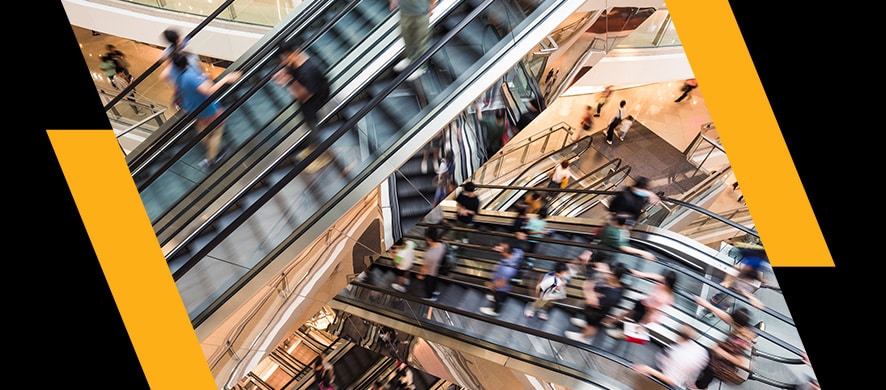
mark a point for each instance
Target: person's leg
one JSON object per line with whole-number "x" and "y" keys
{"x": 705, "y": 378}
{"x": 500, "y": 297}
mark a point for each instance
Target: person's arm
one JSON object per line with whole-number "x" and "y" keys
{"x": 647, "y": 275}
{"x": 716, "y": 310}
{"x": 209, "y": 87}
{"x": 638, "y": 252}
{"x": 646, "y": 370}
{"x": 738, "y": 360}
{"x": 393, "y": 4}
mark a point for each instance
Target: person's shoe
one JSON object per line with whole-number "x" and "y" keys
{"x": 488, "y": 311}
{"x": 596, "y": 115}
{"x": 424, "y": 166}
{"x": 398, "y": 287}
{"x": 528, "y": 312}
{"x": 436, "y": 293}
{"x": 432, "y": 298}
{"x": 205, "y": 164}
{"x": 609, "y": 141}
{"x": 577, "y": 336}
{"x": 578, "y": 322}
{"x": 542, "y": 315}
{"x": 616, "y": 333}
{"x": 415, "y": 75}
{"x": 490, "y": 297}
{"x": 402, "y": 65}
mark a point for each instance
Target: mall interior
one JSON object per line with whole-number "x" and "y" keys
{"x": 282, "y": 245}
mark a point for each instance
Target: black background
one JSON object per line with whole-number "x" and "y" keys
{"x": 814, "y": 84}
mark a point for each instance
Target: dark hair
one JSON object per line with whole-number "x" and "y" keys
{"x": 670, "y": 279}
{"x": 432, "y": 234}
{"x": 619, "y": 270}
{"x": 622, "y": 104}
{"x": 619, "y": 219}
{"x": 499, "y": 114}
{"x": 506, "y": 247}
{"x": 171, "y": 36}
{"x": 469, "y": 186}
{"x": 543, "y": 212}
{"x": 741, "y": 317}
{"x": 564, "y": 164}
{"x": 287, "y": 47}
{"x": 560, "y": 267}
{"x": 180, "y": 60}
{"x": 642, "y": 182}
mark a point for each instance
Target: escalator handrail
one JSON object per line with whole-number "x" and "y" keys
{"x": 177, "y": 129}
{"x": 267, "y": 53}
{"x": 318, "y": 150}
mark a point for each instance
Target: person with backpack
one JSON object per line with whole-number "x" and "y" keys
{"x": 631, "y": 201}
{"x": 550, "y": 288}
{"x": 404, "y": 255}
{"x": 600, "y": 298}
{"x": 501, "y": 278}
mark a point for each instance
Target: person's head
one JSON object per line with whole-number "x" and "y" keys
{"x": 564, "y": 164}
{"x": 560, "y": 268}
{"x": 630, "y": 117}
{"x": 588, "y": 108}
{"x": 685, "y": 332}
{"x": 543, "y": 213}
{"x": 410, "y": 244}
{"x": 622, "y": 103}
{"x": 110, "y": 47}
{"x": 499, "y": 115}
{"x": 432, "y": 234}
{"x": 618, "y": 220}
{"x": 504, "y": 248}
{"x": 469, "y": 187}
{"x": 521, "y": 235}
{"x": 670, "y": 279}
{"x": 449, "y": 156}
{"x": 180, "y": 60}
{"x": 534, "y": 196}
{"x": 172, "y": 37}
{"x": 741, "y": 317}
{"x": 642, "y": 182}
{"x": 618, "y": 271}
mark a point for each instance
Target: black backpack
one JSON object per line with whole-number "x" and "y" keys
{"x": 626, "y": 201}
{"x": 448, "y": 262}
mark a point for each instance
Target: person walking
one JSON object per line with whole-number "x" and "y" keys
{"x": 680, "y": 363}
{"x": 632, "y": 200}
{"x": 195, "y": 87}
{"x": 616, "y": 235}
{"x": 431, "y": 261}
{"x": 603, "y": 99}
{"x": 560, "y": 176}
{"x": 305, "y": 80}
{"x": 686, "y": 89}
{"x": 550, "y": 288}
{"x": 626, "y": 124}
{"x": 415, "y": 29}
{"x": 122, "y": 82}
{"x": 500, "y": 284}
{"x": 467, "y": 206}
{"x": 404, "y": 256}
{"x": 649, "y": 309}
{"x": 615, "y": 121}
{"x": 600, "y": 298}
{"x": 732, "y": 354}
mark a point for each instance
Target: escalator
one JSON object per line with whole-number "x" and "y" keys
{"x": 455, "y": 319}
{"x": 220, "y": 227}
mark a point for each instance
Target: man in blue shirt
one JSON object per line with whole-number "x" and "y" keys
{"x": 501, "y": 277}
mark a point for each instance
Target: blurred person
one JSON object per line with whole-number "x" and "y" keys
{"x": 600, "y": 298}
{"x": 519, "y": 222}
{"x": 616, "y": 235}
{"x": 602, "y": 99}
{"x": 550, "y": 288}
{"x": 431, "y": 260}
{"x": 195, "y": 87}
{"x": 626, "y": 124}
{"x": 536, "y": 228}
{"x": 560, "y": 176}
{"x": 302, "y": 75}
{"x": 415, "y": 29}
{"x": 534, "y": 202}
{"x": 404, "y": 256}
{"x": 403, "y": 380}
{"x": 585, "y": 123}
{"x": 632, "y": 200}
{"x": 324, "y": 373}
{"x": 527, "y": 117}
{"x": 679, "y": 363}
{"x": 109, "y": 68}
{"x": 443, "y": 181}
{"x": 467, "y": 206}
{"x": 615, "y": 121}
{"x": 119, "y": 59}
{"x": 648, "y": 309}
{"x": 686, "y": 88}
{"x": 749, "y": 277}
{"x": 494, "y": 126}
{"x": 175, "y": 42}
{"x": 500, "y": 284}
{"x": 123, "y": 80}
{"x": 378, "y": 385}
{"x": 731, "y": 353}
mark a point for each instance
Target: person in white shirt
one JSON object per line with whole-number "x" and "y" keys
{"x": 680, "y": 363}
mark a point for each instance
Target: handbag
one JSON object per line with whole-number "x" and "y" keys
{"x": 723, "y": 369}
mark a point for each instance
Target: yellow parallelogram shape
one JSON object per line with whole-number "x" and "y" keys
{"x": 131, "y": 259}
{"x": 749, "y": 132}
